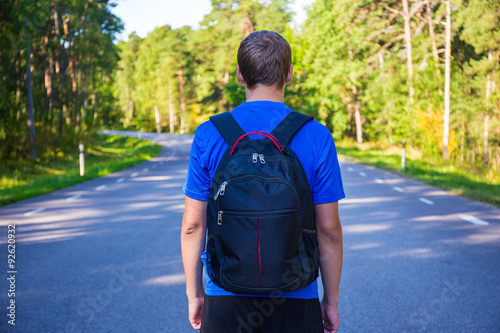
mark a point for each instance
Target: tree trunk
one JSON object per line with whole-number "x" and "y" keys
{"x": 486, "y": 123}
{"x": 67, "y": 114}
{"x": 78, "y": 111}
{"x": 83, "y": 77}
{"x": 359, "y": 129}
{"x": 48, "y": 73}
{"x": 247, "y": 26}
{"x": 390, "y": 129}
{"x": 497, "y": 111}
{"x": 446, "y": 122}
{"x": 93, "y": 99}
{"x": 86, "y": 83}
{"x": 131, "y": 108}
{"x": 72, "y": 72}
{"x": 182, "y": 97}
{"x": 59, "y": 72}
{"x": 171, "y": 110}
{"x": 158, "y": 119}
{"x": 45, "y": 60}
{"x": 357, "y": 116}
{"x": 462, "y": 143}
{"x": 18, "y": 87}
{"x": 486, "y": 127}
{"x": 64, "y": 67}
{"x": 409, "y": 60}
{"x": 59, "y": 118}
{"x": 381, "y": 59}
{"x": 29, "y": 94}
{"x": 435, "y": 54}
{"x": 50, "y": 94}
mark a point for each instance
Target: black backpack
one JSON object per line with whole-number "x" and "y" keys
{"x": 260, "y": 215}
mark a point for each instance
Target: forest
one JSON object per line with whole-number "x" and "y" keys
{"x": 371, "y": 71}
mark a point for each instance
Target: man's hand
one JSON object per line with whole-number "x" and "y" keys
{"x": 330, "y": 314}
{"x": 329, "y": 230}
{"x": 194, "y": 228}
{"x": 195, "y": 310}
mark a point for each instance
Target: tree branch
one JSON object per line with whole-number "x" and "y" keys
{"x": 392, "y": 10}
{"x": 416, "y": 7}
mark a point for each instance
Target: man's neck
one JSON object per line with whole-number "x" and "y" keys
{"x": 265, "y": 93}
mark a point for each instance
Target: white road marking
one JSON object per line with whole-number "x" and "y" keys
{"x": 98, "y": 188}
{"x": 154, "y": 166}
{"x": 33, "y": 212}
{"x": 145, "y": 170}
{"x": 473, "y": 220}
{"x": 399, "y": 189}
{"x": 380, "y": 181}
{"x": 427, "y": 201}
{"x": 362, "y": 174}
{"x": 350, "y": 169}
{"x": 74, "y": 197}
{"x": 120, "y": 180}
{"x": 134, "y": 174}
{"x": 174, "y": 151}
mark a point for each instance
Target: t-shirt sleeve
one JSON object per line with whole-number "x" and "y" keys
{"x": 328, "y": 185}
{"x": 197, "y": 185}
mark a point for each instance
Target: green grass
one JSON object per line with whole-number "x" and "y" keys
{"x": 105, "y": 154}
{"x": 469, "y": 183}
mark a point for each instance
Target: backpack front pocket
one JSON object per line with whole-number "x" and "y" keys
{"x": 257, "y": 253}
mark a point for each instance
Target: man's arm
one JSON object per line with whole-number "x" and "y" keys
{"x": 329, "y": 232}
{"x": 194, "y": 227}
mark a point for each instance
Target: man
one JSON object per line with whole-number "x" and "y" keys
{"x": 264, "y": 68}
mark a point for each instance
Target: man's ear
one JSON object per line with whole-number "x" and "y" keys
{"x": 290, "y": 75}
{"x": 239, "y": 77}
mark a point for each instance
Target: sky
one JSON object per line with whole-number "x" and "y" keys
{"x": 143, "y": 16}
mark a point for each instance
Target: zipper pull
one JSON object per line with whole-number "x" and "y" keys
{"x": 221, "y": 191}
{"x": 254, "y": 157}
{"x": 262, "y": 160}
{"x": 219, "y": 217}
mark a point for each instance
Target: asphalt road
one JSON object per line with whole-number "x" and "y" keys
{"x": 104, "y": 255}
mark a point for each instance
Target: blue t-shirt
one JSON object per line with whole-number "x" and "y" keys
{"x": 313, "y": 145}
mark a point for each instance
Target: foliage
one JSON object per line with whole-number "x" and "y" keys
{"x": 369, "y": 70}
{"x": 69, "y": 45}
{"x": 481, "y": 184}
{"x": 151, "y": 67}
{"x": 104, "y": 155}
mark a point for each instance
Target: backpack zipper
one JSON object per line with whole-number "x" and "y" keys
{"x": 258, "y": 213}
{"x": 222, "y": 188}
{"x": 279, "y": 158}
{"x": 221, "y": 191}
{"x": 219, "y": 217}
{"x": 259, "y": 156}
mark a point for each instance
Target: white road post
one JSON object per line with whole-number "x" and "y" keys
{"x": 82, "y": 161}
{"x": 403, "y": 154}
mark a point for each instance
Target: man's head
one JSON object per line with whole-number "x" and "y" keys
{"x": 265, "y": 57}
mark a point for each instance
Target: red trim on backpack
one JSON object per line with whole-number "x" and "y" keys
{"x": 258, "y": 247}
{"x": 267, "y": 135}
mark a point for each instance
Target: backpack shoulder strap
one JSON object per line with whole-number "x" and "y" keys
{"x": 227, "y": 127}
{"x": 289, "y": 126}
